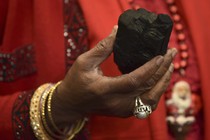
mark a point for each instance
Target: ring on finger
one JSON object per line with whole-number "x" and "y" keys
{"x": 141, "y": 110}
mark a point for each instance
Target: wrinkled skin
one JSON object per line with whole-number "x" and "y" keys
{"x": 85, "y": 90}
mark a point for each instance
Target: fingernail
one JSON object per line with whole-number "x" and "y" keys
{"x": 159, "y": 60}
{"x": 174, "y": 52}
{"x": 171, "y": 68}
{"x": 114, "y": 29}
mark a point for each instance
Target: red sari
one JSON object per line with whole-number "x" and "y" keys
{"x": 37, "y": 23}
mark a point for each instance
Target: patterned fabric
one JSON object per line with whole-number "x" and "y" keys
{"x": 17, "y": 64}
{"x": 75, "y": 32}
{"x": 20, "y": 117}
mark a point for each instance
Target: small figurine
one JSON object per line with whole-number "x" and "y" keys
{"x": 180, "y": 114}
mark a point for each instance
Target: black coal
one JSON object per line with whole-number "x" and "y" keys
{"x": 141, "y": 36}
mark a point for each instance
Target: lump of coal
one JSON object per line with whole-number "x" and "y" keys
{"x": 141, "y": 36}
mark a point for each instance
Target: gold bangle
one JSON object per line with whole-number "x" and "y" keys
{"x": 43, "y": 114}
{"x": 80, "y": 124}
{"x": 35, "y": 116}
{"x": 43, "y": 109}
{"x": 49, "y": 110}
{"x": 74, "y": 129}
{"x": 42, "y": 96}
{"x": 71, "y": 131}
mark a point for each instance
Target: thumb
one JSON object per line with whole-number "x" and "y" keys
{"x": 101, "y": 51}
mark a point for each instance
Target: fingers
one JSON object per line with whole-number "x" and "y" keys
{"x": 122, "y": 105}
{"x": 126, "y": 105}
{"x": 153, "y": 96}
{"x": 101, "y": 51}
{"x": 168, "y": 58}
{"x": 144, "y": 77}
{"x": 133, "y": 80}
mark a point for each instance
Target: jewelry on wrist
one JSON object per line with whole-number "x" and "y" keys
{"x": 57, "y": 133}
{"x": 35, "y": 116}
{"x": 44, "y": 114}
{"x": 41, "y": 112}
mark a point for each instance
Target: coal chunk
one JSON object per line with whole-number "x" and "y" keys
{"x": 141, "y": 36}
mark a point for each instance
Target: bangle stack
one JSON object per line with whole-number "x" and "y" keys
{"x": 41, "y": 118}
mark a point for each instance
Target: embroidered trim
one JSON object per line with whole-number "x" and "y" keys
{"x": 20, "y": 117}
{"x": 21, "y": 120}
{"x": 75, "y": 32}
{"x": 17, "y": 64}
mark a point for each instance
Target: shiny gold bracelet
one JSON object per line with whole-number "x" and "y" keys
{"x": 35, "y": 116}
{"x": 49, "y": 110}
{"x": 45, "y": 114}
{"x": 44, "y": 118}
{"x": 74, "y": 129}
{"x": 41, "y": 98}
{"x": 79, "y": 125}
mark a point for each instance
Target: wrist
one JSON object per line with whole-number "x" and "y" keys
{"x": 62, "y": 112}
{"x": 43, "y": 116}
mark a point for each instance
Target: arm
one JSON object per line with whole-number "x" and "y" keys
{"x": 14, "y": 118}
{"x": 85, "y": 90}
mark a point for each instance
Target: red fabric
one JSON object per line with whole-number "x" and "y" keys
{"x": 6, "y": 106}
{"x": 196, "y": 14}
{"x": 44, "y": 28}
{"x": 3, "y": 15}
{"x": 42, "y": 22}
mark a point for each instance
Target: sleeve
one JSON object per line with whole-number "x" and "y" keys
{"x": 14, "y": 121}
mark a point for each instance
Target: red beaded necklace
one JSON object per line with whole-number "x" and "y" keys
{"x": 183, "y": 48}
{"x": 180, "y": 35}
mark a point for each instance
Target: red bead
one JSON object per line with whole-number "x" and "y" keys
{"x": 176, "y": 65}
{"x": 183, "y": 47}
{"x": 176, "y": 17}
{"x": 183, "y": 63}
{"x": 173, "y": 9}
{"x": 184, "y": 55}
{"x": 181, "y": 36}
{"x": 169, "y": 1}
{"x": 179, "y": 27}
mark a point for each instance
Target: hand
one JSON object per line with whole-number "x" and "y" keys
{"x": 85, "y": 90}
